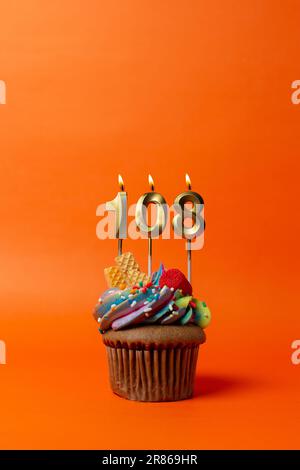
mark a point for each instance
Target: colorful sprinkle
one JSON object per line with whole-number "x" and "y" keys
{"x": 133, "y": 303}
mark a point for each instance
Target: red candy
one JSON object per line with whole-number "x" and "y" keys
{"x": 176, "y": 279}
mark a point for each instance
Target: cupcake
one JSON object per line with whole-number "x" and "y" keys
{"x": 152, "y": 330}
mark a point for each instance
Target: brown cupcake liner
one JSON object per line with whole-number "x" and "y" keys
{"x": 153, "y": 375}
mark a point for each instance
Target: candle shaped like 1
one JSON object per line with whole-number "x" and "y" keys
{"x": 194, "y": 213}
{"x": 119, "y": 206}
{"x": 141, "y": 217}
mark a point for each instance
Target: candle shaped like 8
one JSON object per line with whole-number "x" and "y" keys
{"x": 141, "y": 217}
{"x": 194, "y": 213}
{"x": 119, "y": 206}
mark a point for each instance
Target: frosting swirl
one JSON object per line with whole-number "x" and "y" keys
{"x": 152, "y": 303}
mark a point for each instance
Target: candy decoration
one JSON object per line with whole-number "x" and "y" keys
{"x": 127, "y": 262}
{"x": 115, "y": 277}
{"x": 202, "y": 314}
{"x": 176, "y": 279}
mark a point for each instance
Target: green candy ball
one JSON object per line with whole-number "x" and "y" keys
{"x": 202, "y": 314}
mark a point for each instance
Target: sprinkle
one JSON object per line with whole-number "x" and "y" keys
{"x": 192, "y": 304}
{"x": 141, "y": 283}
{"x": 146, "y": 302}
{"x": 149, "y": 284}
{"x": 172, "y": 289}
{"x": 123, "y": 297}
{"x": 133, "y": 303}
{"x": 99, "y": 320}
{"x": 148, "y": 309}
{"x": 135, "y": 287}
{"x": 147, "y": 315}
{"x": 100, "y": 300}
{"x": 171, "y": 307}
{"x": 110, "y": 291}
{"x": 130, "y": 296}
{"x": 144, "y": 290}
{"x": 153, "y": 291}
{"x": 113, "y": 307}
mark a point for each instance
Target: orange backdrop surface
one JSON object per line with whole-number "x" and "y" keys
{"x": 97, "y": 88}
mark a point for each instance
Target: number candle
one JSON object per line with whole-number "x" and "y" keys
{"x": 119, "y": 206}
{"x": 141, "y": 217}
{"x": 194, "y": 213}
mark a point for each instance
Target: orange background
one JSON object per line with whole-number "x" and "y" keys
{"x": 100, "y": 88}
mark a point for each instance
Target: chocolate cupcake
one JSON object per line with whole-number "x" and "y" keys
{"x": 152, "y": 331}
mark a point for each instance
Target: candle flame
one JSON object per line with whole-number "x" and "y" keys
{"x": 121, "y": 182}
{"x": 151, "y": 182}
{"x": 188, "y": 181}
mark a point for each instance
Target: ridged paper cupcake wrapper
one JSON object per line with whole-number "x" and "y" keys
{"x": 153, "y": 375}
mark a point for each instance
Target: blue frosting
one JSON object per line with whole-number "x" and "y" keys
{"x": 157, "y": 275}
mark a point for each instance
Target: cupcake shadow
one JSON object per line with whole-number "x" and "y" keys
{"x": 207, "y": 385}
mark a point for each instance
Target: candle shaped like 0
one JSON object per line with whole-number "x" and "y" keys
{"x": 119, "y": 206}
{"x": 194, "y": 213}
{"x": 141, "y": 217}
